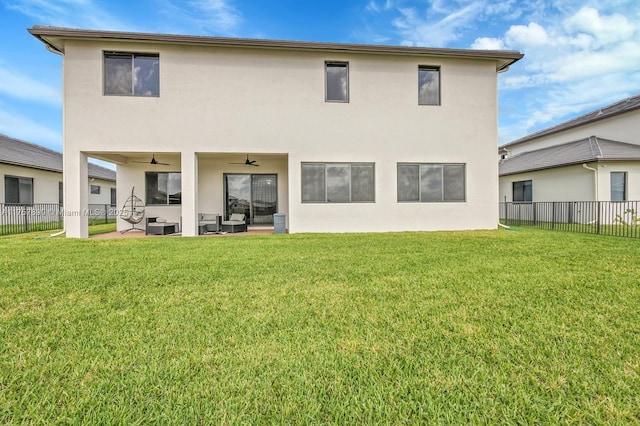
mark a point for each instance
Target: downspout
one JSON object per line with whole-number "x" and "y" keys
{"x": 595, "y": 180}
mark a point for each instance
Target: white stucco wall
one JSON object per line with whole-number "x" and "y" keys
{"x": 46, "y": 184}
{"x": 226, "y": 100}
{"x": 574, "y": 183}
{"x": 621, "y": 128}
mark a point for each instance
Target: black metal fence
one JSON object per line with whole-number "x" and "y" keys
{"x": 21, "y": 218}
{"x": 616, "y": 218}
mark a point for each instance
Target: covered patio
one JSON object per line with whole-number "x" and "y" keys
{"x": 180, "y": 187}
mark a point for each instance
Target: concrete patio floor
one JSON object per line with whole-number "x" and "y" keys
{"x": 141, "y": 234}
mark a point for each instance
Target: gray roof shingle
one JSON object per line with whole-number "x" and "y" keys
{"x": 583, "y": 151}
{"x": 26, "y": 154}
{"x": 620, "y": 107}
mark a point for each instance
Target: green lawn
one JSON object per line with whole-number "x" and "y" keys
{"x": 525, "y": 327}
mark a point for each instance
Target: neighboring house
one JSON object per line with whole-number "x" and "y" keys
{"x": 32, "y": 174}
{"x": 348, "y": 138}
{"x": 595, "y": 157}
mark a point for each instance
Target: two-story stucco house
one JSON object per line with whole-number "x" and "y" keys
{"x": 338, "y": 137}
{"x": 593, "y": 157}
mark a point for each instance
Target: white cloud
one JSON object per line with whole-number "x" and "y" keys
{"x": 603, "y": 29}
{"x": 531, "y": 35}
{"x": 216, "y": 15}
{"x": 20, "y": 86}
{"x": 488, "y": 43}
{"x": 572, "y": 64}
{"x": 436, "y": 27}
{"x": 69, "y": 13}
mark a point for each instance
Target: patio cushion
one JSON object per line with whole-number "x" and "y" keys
{"x": 239, "y": 217}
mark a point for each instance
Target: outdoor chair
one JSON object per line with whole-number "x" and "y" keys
{"x": 236, "y": 223}
{"x": 208, "y": 222}
{"x": 132, "y": 212}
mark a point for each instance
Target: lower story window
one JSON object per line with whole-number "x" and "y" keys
{"x": 618, "y": 186}
{"x": 18, "y": 190}
{"x": 95, "y": 189}
{"x": 523, "y": 191}
{"x": 163, "y": 188}
{"x": 431, "y": 182}
{"x": 338, "y": 183}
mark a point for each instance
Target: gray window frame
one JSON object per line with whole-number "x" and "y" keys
{"x": 95, "y": 189}
{"x": 420, "y": 183}
{"x": 327, "y": 64}
{"x": 625, "y": 183}
{"x": 20, "y": 180}
{"x": 350, "y": 166}
{"x": 430, "y": 68}
{"x": 133, "y": 55}
{"x": 524, "y": 193}
{"x": 149, "y": 201}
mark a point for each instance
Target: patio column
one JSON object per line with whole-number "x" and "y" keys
{"x": 76, "y": 194}
{"x": 189, "y": 174}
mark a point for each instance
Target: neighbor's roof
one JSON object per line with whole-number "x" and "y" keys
{"x": 21, "y": 153}
{"x": 620, "y": 107}
{"x": 54, "y": 38}
{"x": 583, "y": 151}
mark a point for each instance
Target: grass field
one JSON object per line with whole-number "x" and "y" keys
{"x": 526, "y": 327}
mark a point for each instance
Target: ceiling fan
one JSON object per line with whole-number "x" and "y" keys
{"x": 248, "y": 162}
{"x": 153, "y": 161}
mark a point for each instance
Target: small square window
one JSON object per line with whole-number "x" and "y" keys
{"x": 133, "y": 74}
{"x": 523, "y": 191}
{"x": 95, "y": 189}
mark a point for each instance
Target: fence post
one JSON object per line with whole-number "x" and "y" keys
{"x": 106, "y": 214}
{"x": 535, "y": 214}
{"x": 506, "y": 213}
{"x": 25, "y": 219}
{"x": 598, "y": 216}
{"x": 553, "y": 215}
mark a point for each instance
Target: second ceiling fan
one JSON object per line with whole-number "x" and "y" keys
{"x": 153, "y": 161}
{"x": 248, "y": 162}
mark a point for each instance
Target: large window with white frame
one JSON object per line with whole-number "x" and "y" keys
{"x": 428, "y": 85}
{"x": 163, "y": 188}
{"x": 618, "y": 186}
{"x": 132, "y": 74}
{"x": 338, "y": 183}
{"x": 522, "y": 191}
{"x": 18, "y": 190}
{"x": 431, "y": 182}
{"x": 336, "y": 81}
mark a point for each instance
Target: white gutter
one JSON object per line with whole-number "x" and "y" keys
{"x": 595, "y": 179}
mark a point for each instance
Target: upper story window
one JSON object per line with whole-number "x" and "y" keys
{"x": 18, "y": 190}
{"x": 95, "y": 189}
{"x": 428, "y": 85}
{"x": 523, "y": 191}
{"x": 618, "y": 186}
{"x": 133, "y": 74}
{"x": 337, "y": 81}
{"x": 338, "y": 183}
{"x": 431, "y": 182}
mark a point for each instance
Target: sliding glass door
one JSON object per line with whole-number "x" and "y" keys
{"x": 254, "y": 195}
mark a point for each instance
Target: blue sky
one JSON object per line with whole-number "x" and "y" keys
{"x": 580, "y": 55}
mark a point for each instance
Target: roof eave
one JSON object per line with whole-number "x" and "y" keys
{"x": 53, "y": 38}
